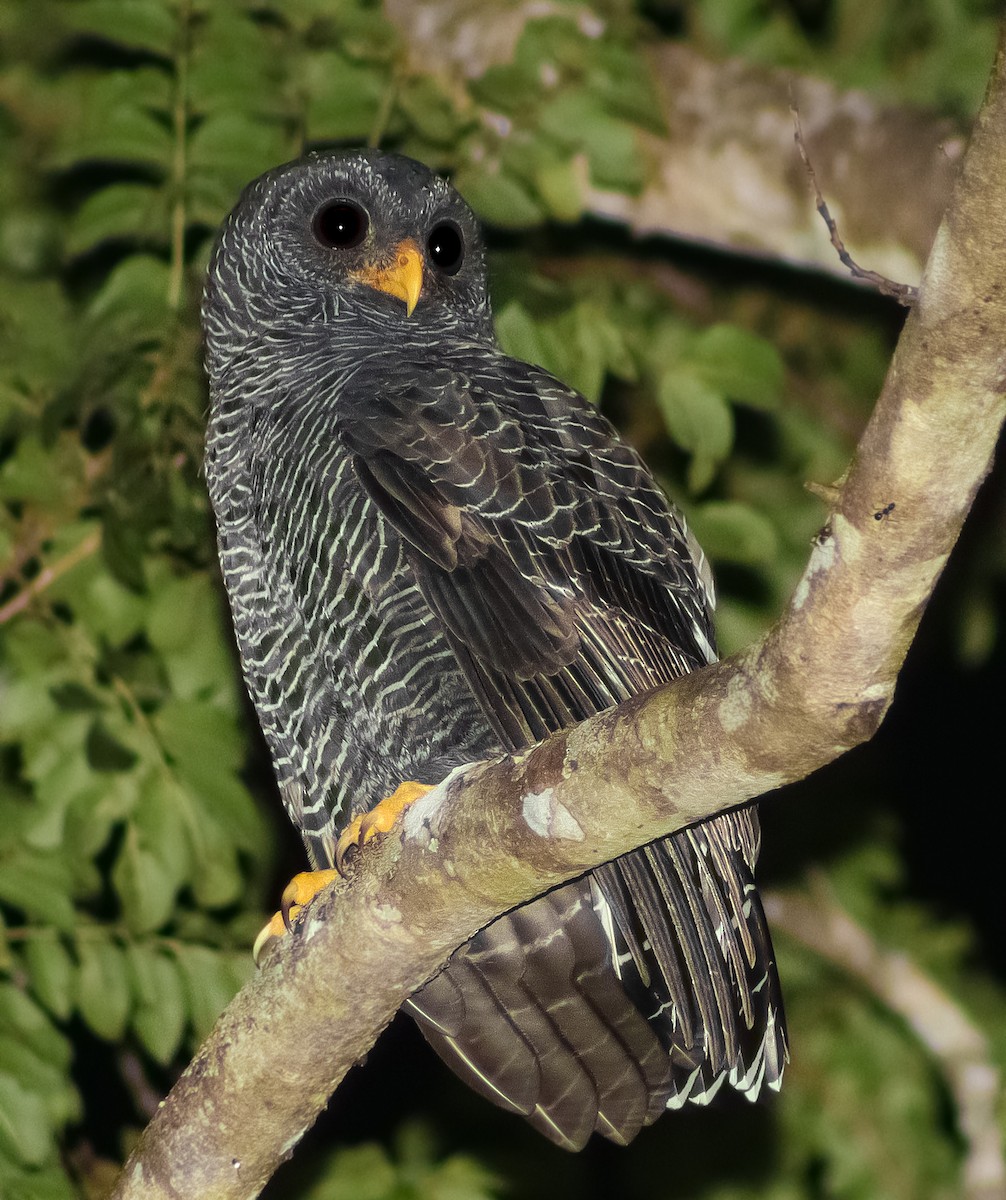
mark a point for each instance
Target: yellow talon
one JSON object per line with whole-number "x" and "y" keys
{"x": 380, "y": 819}
{"x": 301, "y": 890}
{"x": 304, "y": 886}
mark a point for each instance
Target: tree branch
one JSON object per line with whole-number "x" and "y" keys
{"x": 959, "y": 1048}
{"x": 723, "y": 173}
{"x": 501, "y": 833}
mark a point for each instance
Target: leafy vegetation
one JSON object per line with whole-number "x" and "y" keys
{"x": 140, "y": 841}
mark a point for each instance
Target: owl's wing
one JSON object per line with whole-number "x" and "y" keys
{"x": 540, "y": 539}
{"x": 565, "y": 584}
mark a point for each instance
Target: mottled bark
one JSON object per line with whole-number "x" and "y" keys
{"x": 818, "y": 684}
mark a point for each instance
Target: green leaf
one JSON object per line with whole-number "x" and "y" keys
{"x": 164, "y": 821}
{"x": 38, "y": 343}
{"x": 133, "y": 211}
{"x": 35, "y": 472}
{"x": 51, "y": 973}
{"x": 105, "y": 752}
{"x": 343, "y": 97}
{"x": 698, "y": 418}
{"x": 141, "y": 24}
{"x": 738, "y": 624}
{"x": 46, "y": 1183}
{"x": 75, "y": 697}
{"x": 429, "y": 110}
{"x": 519, "y": 335}
{"x": 977, "y": 628}
{"x": 234, "y": 65}
{"x": 557, "y": 46}
{"x": 209, "y": 985}
{"x": 612, "y": 341}
{"x": 623, "y": 80}
{"x": 25, "y": 1133}
{"x": 577, "y": 120}
{"x": 110, "y": 610}
{"x": 202, "y": 739}
{"x": 217, "y": 879}
{"x": 740, "y": 364}
{"x": 207, "y": 750}
{"x": 103, "y": 994}
{"x": 186, "y": 628}
{"x": 364, "y": 32}
{"x": 507, "y": 87}
{"x": 97, "y": 810}
{"x": 161, "y": 1012}
{"x": 59, "y": 768}
{"x": 134, "y": 298}
{"x": 46, "y": 1079}
{"x": 145, "y": 886}
{"x": 117, "y": 116}
{"x": 361, "y": 1173}
{"x": 29, "y": 241}
{"x": 21, "y": 1016}
{"x": 34, "y": 663}
{"x": 369, "y": 1172}
{"x": 561, "y": 184}
{"x": 122, "y": 547}
{"x": 733, "y": 532}
{"x": 498, "y": 198}
{"x": 36, "y": 883}
{"x": 232, "y": 146}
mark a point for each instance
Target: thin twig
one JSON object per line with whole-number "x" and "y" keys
{"x": 384, "y": 110}
{"x": 48, "y": 576}
{"x": 180, "y": 118}
{"x": 145, "y": 1096}
{"x": 904, "y": 293}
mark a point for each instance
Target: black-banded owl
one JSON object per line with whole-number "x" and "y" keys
{"x": 435, "y": 553}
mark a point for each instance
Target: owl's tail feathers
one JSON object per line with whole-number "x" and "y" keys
{"x": 643, "y": 986}
{"x": 692, "y": 947}
{"x": 531, "y": 1015}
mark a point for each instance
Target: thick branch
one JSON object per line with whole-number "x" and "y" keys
{"x": 502, "y": 833}
{"x": 724, "y": 172}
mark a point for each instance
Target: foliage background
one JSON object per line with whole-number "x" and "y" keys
{"x": 140, "y": 842}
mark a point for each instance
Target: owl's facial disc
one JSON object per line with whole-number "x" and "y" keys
{"x": 402, "y": 277}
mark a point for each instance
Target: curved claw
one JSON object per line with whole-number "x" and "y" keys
{"x": 275, "y": 929}
{"x": 301, "y": 890}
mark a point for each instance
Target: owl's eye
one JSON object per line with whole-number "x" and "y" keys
{"x": 446, "y": 248}
{"x": 340, "y": 225}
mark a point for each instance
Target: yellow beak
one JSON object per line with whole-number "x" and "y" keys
{"x": 403, "y": 278}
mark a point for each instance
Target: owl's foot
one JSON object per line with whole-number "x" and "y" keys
{"x": 380, "y": 819}
{"x": 304, "y": 886}
{"x": 301, "y": 890}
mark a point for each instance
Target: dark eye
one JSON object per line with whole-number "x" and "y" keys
{"x": 340, "y": 225}
{"x": 446, "y": 248}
